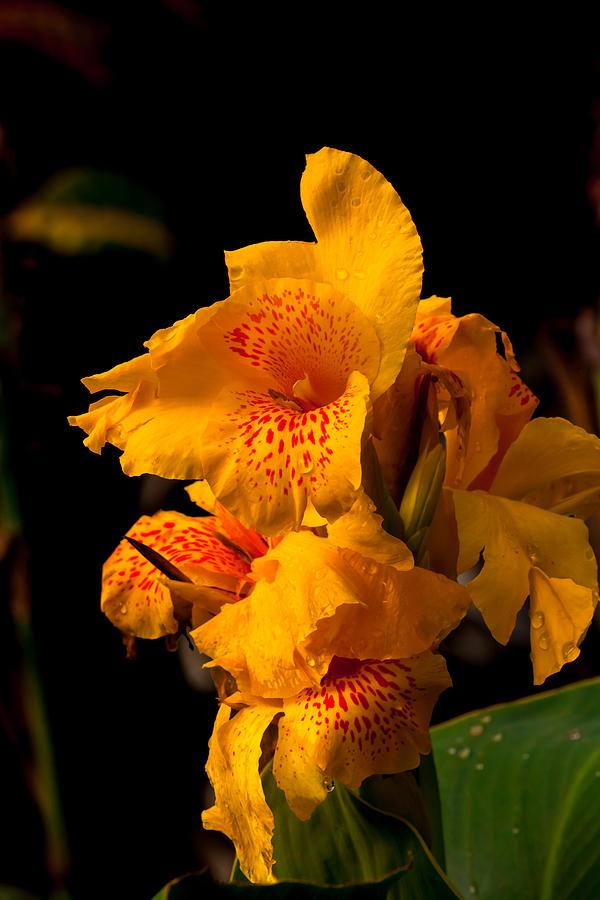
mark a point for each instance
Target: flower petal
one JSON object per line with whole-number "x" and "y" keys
{"x": 516, "y": 537}
{"x": 136, "y": 596}
{"x": 401, "y": 614}
{"x": 366, "y": 717}
{"x": 560, "y": 612}
{"x": 552, "y": 464}
{"x": 264, "y": 461}
{"x": 240, "y": 809}
{"x": 501, "y": 404}
{"x": 360, "y": 529}
{"x": 259, "y": 640}
{"x": 367, "y": 246}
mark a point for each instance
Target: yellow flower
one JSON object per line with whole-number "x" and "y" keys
{"x": 266, "y": 395}
{"x": 213, "y": 553}
{"x": 346, "y": 671}
{"x": 364, "y": 716}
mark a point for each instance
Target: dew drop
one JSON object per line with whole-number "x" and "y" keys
{"x": 532, "y": 552}
{"x": 341, "y": 186}
{"x": 334, "y": 203}
{"x": 342, "y": 274}
{"x": 451, "y": 750}
{"x": 472, "y": 889}
{"x": 525, "y": 756}
{"x": 464, "y": 753}
{"x": 595, "y": 596}
{"x": 515, "y": 830}
{"x": 372, "y": 236}
{"x": 543, "y": 641}
{"x": 366, "y": 173}
{"x": 589, "y": 553}
{"x": 479, "y": 766}
{"x": 486, "y": 719}
{"x": 305, "y": 466}
{"x": 569, "y": 651}
{"x": 597, "y": 774}
{"x": 328, "y": 784}
{"x": 123, "y": 610}
{"x": 235, "y": 273}
{"x": 537, "y": 619}
{"x": 385, "y": 244}
{"x": 476, "y": 729}
{"x": 477, "y": 447}
{"x": 356, "y": 201}
{"x": 497, "y": 737}
{"x": 311, "y": 661}
{"x": 574, "y": 735}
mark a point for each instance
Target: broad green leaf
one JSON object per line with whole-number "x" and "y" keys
{"x": 520, "y": 789}
{"x": 348, "y": 840}
{"x": 86, "y": 210}
{"x": 200, "y": 887}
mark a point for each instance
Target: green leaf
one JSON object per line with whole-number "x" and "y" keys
{"x": 86, "y": 210}
{"x": 520, "y": 789}
{"x": 200, "y": 886}
{"x": 348, "y": 840}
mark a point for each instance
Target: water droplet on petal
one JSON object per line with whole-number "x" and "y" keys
{"x": 497, "y": 737}
{"x": 356, "y": 201}
{"x": 532, "y": 552}
{"x": 589, "y": 553}
{"x": 341, "y": 186}
{"x": 123, "y": 610}
{"x": 476, "y": 729}
{"x": 543, "y": 641}
{"x": 385, "y": 244}
{"x": 311, "y": 661}
{"x": 464, "y": 753}
{"x": 328, "y": 784}
{"x": 342, "y": 274}
{"x": 235, "y": 273}
{"x": 537, "y": 619}
{"x": 569, "y": 651}
{"x": 366, "y": 173}
{"x": 477, "y": 447}
{"x": 574, "y": 735}
{"x": 305, "y": 466}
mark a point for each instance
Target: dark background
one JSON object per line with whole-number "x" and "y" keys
{"x": 486, "y": 129}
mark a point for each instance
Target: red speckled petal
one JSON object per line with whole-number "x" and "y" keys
{"x": 284, "y": 331}
{"x": 501, "y": 404}
{"x": 135, "y": 595}
{"x": 264, "y": 460}
{"x": 367, "y": 717}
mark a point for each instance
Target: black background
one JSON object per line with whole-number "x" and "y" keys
{"x": 484, "y": 126}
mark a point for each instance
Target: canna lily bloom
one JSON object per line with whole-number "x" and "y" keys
{"x": 365, "y": 716}
{"x": 212, "y": 559}
{"x": 267, "y": 395}
{"x": 500, "y": 404}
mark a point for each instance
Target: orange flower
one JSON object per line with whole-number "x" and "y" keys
{"x": 266, "y": 395}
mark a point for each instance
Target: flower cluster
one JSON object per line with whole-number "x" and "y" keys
{"x": 357, "y": 449}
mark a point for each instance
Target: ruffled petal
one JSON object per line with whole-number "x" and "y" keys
{"x": 259, "y": 640}
{"x": 367, "y": 717}
{"x": 240, "y": 809}
{"x": 515, "y": 538}
{"x": 360, "y": 529}
{"x": 264, "y": 460}
{"x": 560, "y": 612}
{"x": 552, "y": 464}
{"x": 248, "y": 539}
{"x": 137, "y": 597}
{"x": 367, "y": 246}
{"x": 401, "y": 614}
{"x": 501, "y": 404}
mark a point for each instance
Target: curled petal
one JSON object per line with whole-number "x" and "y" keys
{"x": 368, "y": 716}
{"x": 516, "y": 538}
{"x": 367, "y": 246}
{"x": 138, "y": 598}
{"x": 360, "y": 529}
{"x": 560, "y": 612}
{"x": 552, "y": 464}
{"x": 240, "y": 809}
